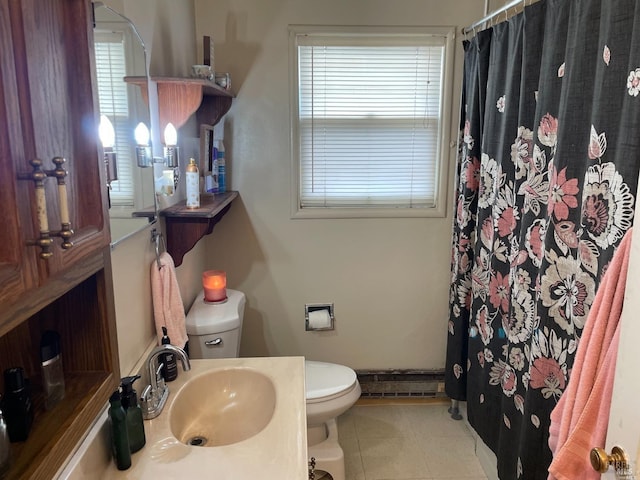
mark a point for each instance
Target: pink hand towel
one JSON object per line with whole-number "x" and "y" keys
{"x": 168, "y": 308}
{"x": 580, "y": 419}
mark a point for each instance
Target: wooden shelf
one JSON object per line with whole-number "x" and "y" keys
{"x": 54, "y": 433}
{"x": 179, "y": 98}
{"x": 184, "y": 226}
{"x": 83, "y": 318}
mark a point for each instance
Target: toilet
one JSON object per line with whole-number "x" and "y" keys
{"x": 214, "y": 332}
{"x": 331, "y": 390}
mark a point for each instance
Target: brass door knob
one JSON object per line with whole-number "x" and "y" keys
{"x": 600, "y": 461}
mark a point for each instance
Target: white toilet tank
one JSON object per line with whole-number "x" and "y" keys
{"x": 214, "y": 328}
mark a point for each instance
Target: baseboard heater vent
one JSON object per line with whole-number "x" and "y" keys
{"x": 401, "y": 383}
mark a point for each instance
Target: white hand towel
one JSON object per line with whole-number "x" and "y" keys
{"x": 168, "y": 308}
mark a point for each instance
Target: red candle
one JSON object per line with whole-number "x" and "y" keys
{"x": 215, "y": 285}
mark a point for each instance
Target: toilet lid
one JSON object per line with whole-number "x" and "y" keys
{"x": 326, "y": 379}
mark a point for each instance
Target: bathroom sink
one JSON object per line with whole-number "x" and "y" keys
{"x": 222, "y": 407}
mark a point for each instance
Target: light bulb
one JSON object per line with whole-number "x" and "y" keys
{"x": 141, "y": 134}
{"x": 106, "y": 132}
{"x": 170, "y": 135}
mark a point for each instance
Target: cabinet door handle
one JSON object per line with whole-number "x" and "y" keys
{"x": 38, "y": 176}
{"x": 65, "y": 223}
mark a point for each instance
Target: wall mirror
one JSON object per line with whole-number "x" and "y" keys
{"x": 120, "y": 53}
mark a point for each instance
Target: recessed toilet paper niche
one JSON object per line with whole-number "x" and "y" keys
{"x": 318, "y": 317}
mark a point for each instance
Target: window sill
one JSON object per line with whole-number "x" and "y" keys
{"x": 319, "y": 212}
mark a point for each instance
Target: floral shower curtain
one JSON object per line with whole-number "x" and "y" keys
{"x": 546, "y": 176}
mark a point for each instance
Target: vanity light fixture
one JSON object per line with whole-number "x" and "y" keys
{"x": 171, "y": 157}
{"x": 143, "y": 150}
{"x": 107, "y": 136}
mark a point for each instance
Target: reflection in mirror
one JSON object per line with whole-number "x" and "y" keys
{"x": 120, "y": 53}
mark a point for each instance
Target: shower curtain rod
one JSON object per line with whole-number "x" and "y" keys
{"x": 513, "y": 3}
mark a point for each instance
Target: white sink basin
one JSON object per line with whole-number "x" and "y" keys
{"x": 222, "y": 407}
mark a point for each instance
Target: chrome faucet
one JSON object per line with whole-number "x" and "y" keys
{"x": 155, "y": 395}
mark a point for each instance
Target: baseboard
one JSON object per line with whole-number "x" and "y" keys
{"x": 401, "y": 383}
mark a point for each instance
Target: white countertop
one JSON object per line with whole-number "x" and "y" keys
{"x": 278, "y": 451}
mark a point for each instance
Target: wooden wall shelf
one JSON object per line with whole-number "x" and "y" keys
{"x": 184, "y": 227}
{"x": 179, "y": 98}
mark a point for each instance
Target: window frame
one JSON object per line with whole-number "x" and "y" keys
{"x": 132, "y": 61}
{"x": 439, "y": 208}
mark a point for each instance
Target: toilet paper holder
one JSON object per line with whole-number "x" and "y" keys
{"x": 315, "y": 307}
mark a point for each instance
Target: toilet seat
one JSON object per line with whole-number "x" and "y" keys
{"x": 327, "y": 381}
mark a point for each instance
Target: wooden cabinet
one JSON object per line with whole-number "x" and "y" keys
{"x": 47, "y": 110}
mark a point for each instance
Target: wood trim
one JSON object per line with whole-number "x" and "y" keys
{"x": 36, "y": 299}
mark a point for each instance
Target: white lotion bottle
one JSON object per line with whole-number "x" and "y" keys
{"x": 193, "y": 185}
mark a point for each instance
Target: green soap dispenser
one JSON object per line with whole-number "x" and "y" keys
{"x": 135, "y": 424}
{"x": 119, "y": 434}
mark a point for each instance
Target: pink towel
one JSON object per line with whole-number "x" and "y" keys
{"x": 168, "y": 309}
{"x": 580, "y": 419}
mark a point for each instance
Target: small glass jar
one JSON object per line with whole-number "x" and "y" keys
{"x": 52, "y": 372}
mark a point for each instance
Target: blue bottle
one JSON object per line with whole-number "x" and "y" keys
{"x": 222, "y": 168}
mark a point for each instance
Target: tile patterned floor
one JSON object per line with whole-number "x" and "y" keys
{"x": 406, "y": 440}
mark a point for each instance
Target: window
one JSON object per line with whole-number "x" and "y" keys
{"x": 369, "y": 123}
{"x": 114, "y": 103}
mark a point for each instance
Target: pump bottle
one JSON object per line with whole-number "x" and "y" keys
{"x": 170, "y": 368}
{"x": 133, "y": 412}
{"x": 119, "y": 435}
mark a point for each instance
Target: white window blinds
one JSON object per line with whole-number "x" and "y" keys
{"x": 369, "y": 120}
{"x": 114, "y": 103}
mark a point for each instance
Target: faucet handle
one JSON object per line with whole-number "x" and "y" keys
{"x": 146, "y": 399}
{"x": 159, "y": 371}
{"x": 146, "y": 394}
{"x": 159, "y": 378}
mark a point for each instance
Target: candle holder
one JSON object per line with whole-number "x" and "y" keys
{"x": 214, "y": 283}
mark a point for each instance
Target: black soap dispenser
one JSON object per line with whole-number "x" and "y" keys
{"x": 170, "y": 368}
{"x": 135, "y": 424}
{"x": 16, "y": 404}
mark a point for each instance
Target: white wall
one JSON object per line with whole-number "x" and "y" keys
{"x": 388, "y": 278}
{"x": 167, "y": 30}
